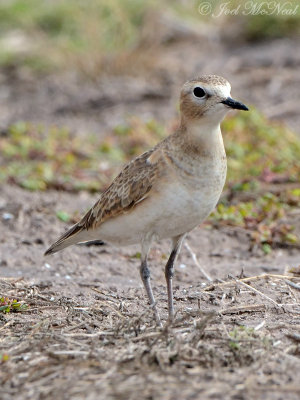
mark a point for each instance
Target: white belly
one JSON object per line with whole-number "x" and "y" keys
{"x": 166, "y": 213}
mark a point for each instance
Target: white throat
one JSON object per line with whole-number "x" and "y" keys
{"x": 205, "y": 129}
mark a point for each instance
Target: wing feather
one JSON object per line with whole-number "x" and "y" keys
{"x": 129, "y": 188}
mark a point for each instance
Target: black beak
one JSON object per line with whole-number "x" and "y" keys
{"x": 234, "y": 104}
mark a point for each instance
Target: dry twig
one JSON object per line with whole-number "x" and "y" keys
{"x": 194, "y": 257}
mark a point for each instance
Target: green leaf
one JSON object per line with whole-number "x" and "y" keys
{"x": 266, "y": 248}
{"x": 63, "y": 216}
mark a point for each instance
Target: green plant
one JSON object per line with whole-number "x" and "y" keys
{"x": 7, "y": 305}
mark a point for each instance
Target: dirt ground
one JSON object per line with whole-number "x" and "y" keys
{"x": 88, "y": 332}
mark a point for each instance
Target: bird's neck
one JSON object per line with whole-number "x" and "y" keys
{"x": 204, "y": 135}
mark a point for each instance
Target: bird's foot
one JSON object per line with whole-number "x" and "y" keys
{"x": 156, "y": 315}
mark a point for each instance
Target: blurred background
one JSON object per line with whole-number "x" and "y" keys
{"x": 68, "y": 62}
{"x": 86, "y": 85}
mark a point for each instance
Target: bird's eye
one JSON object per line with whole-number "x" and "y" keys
{"x": 199, "y": 92}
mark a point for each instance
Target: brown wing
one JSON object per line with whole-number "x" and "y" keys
{"x": 129, "y": 188}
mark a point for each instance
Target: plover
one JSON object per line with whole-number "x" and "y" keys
{"x": 168, "y": 190}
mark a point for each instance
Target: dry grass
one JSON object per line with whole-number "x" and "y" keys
{"x": 108, "y": 346}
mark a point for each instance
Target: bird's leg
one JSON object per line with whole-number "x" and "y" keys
{"x": 145, "y": 275}
{"x": 169, "y": 272}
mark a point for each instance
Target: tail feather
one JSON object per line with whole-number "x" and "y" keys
{"x": 72, "y": 236}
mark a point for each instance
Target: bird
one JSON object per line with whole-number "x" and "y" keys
{"x": 168, "y": 190}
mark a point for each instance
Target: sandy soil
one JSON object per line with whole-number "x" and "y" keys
{"x": 88, "y": 332}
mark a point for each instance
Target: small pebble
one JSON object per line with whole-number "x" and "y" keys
{"x": 7, "y": 216}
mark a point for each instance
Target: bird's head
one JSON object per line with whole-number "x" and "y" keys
{"x": 207, "y": 98}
